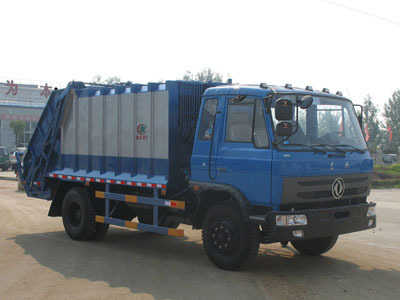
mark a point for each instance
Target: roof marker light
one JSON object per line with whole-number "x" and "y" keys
{"x": 288, "y": 86}
{"x": 263, "y": 85}
{"x": 339, "y": 93}
{"x": 309, "y": 88}
{"x": 325, "y": 90}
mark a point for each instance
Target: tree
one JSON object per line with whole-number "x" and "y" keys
{"x": 205, "y": 75}
{"x": 109, "y": 80}
{"x": 391, "y": 112}
{"x": 18, "y": 127}
{"x": 371, "y": 121}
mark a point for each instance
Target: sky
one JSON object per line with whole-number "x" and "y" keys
{"x": 352, "y": 46}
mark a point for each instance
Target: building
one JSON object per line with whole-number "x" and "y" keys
{"x": 24, "y": 103}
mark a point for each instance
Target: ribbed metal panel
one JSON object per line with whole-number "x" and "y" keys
{"x": 135, "y": 133}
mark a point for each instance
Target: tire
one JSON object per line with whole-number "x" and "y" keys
{"x": 100, "y": 230}
{"x": 78, "y": 216}
{"x": 229, "y": 242}
{"x": 316, "y": 246}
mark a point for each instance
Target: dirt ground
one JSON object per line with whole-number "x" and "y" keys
{"x": 39, "y": 261}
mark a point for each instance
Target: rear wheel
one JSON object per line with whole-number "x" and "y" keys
{"x": 228, "y": 241}
{"x": 316, "y": 246}
{"x": 78, "y": 216}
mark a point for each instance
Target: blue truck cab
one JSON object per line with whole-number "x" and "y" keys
{"x": 247, "y": 164}
{"x": 306, "y": 188}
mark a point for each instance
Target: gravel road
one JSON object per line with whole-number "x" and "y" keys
{"x": 39, "y": 261}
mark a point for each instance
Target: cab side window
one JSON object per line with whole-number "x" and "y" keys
{"x": 239, "y": 125}
{"x": 245, "y": 122}
{"x": 207, "y": 119}
{"x": 260, "y": 130}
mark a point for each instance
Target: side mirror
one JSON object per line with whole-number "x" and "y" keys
{"x": 284, "y": 129}
{"x": 283, "y": 109}
{"x": 306, "y": 102}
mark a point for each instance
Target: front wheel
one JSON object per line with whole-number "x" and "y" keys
{"x": 228, "y": 241}
{"x": 78, "y": 215}
{"x": 316, "y": 246}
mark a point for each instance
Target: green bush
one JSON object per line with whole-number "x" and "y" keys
{"x": 386, "y": 176}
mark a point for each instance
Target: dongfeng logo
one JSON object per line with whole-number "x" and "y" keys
{"x": 338, "y": 188}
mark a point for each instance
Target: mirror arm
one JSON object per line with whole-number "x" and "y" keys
{"x": 297, "y": 114}
{"x": 268, "y": 101}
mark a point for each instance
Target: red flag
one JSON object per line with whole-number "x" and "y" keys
{"x": 390, "y": 133}
{"x": 366, "y": 131}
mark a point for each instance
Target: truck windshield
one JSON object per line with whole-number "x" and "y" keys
{"x": 327, "y": 122}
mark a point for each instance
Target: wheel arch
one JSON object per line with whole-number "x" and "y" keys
{"x": 59, "y": 191}
{"x": 211, "y": 193}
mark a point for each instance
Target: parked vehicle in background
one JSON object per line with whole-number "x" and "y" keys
{"x": 21, "y": 155}
{"x": 389, "y": 158}
{"x": 5, "y": 162}
{"x": 246, "y": 164}
{"x": 13, "y": 158}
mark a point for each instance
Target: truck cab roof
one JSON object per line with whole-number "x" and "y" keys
{"x": 261, "y": 91}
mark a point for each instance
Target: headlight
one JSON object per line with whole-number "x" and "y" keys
{"x": 371, "y": 211}
{"x": 291, "y": 220}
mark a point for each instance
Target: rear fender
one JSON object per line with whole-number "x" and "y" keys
{"x": 60, "y": 189}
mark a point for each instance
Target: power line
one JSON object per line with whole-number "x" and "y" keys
{"x": 363, "y": 12}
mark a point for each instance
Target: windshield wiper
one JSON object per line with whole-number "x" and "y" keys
{"x": 355, "y": 148}
{"x": 308, "y": 146}
{"x": 333, "y": 147}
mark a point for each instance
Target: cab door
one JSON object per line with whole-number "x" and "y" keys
{"x": 244, "y": 155}
{"x": 208, "y": 135}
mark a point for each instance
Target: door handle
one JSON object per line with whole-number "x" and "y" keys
{"x": 221, "y": 169}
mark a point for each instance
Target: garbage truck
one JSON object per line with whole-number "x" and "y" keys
{"x": 247, "y": 164}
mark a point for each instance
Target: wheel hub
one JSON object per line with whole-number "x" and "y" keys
{"x": 75, "y": 214}
{"x": 222, "y": 236}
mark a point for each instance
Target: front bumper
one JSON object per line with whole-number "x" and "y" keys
{"x": 321, "y": 222}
